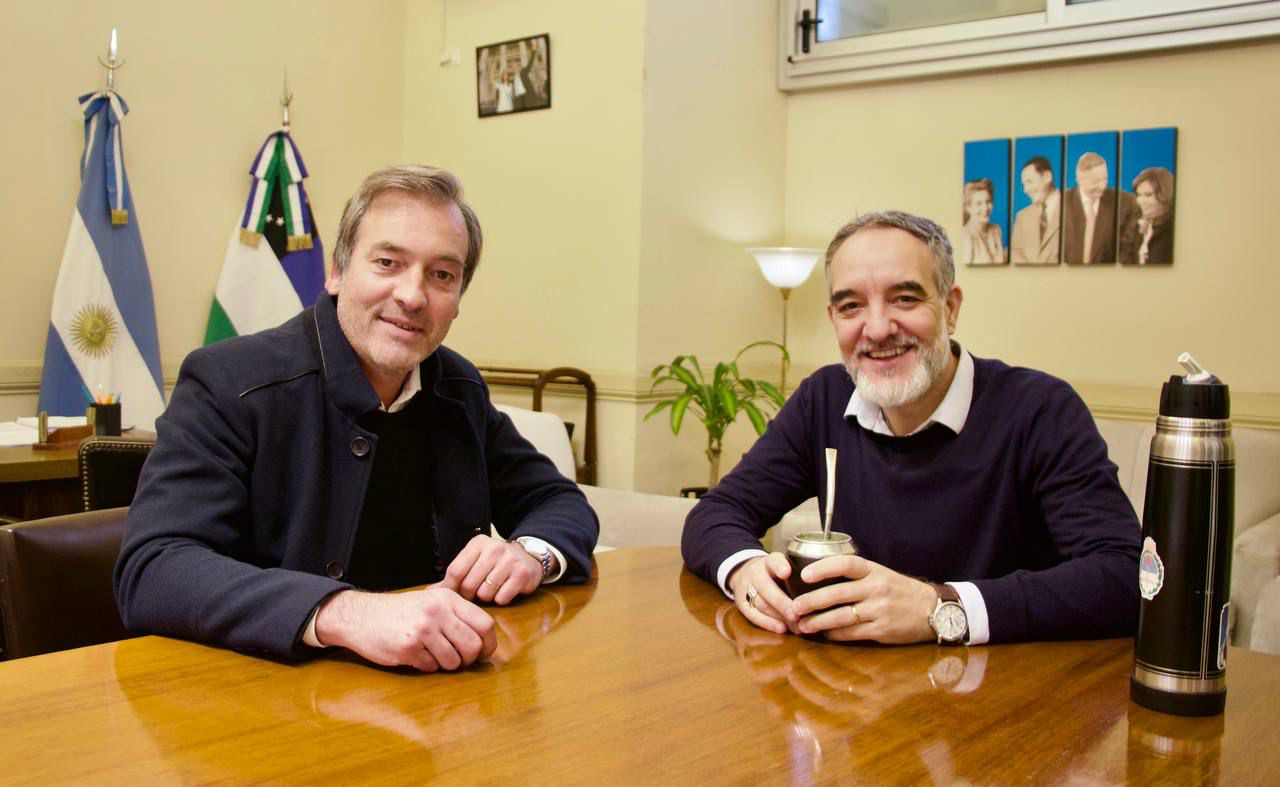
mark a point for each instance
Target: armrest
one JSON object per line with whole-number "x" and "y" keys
{"x": 638, "y": 519}
{"x": 1255, "y": 563}
{"x": 1266, "y": 625}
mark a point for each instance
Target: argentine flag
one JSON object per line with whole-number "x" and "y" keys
{"x": 264, "y": 284}
{"x": 103, "y": 328}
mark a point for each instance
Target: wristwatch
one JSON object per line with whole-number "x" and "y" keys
{"x": 948, "y": 620}
{"x": 540, "y": 551}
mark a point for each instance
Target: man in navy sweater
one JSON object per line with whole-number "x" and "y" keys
{"x": 979, "y": 496}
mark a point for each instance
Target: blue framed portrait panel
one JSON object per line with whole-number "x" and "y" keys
{"x": 985, "y": 203}
{"x": 1036, "y": 237}
{"x": 1094, "y": 215}
{"x": 1148, "y": 166}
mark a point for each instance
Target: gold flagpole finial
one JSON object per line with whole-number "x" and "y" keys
{"x": 286, "y": 98}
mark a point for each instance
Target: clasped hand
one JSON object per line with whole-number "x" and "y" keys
{"x": 875, "y": 603}
{"x": 439, "y": 628}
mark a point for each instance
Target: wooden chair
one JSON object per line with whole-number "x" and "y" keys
{"x": 55, "y": 582}
{"x": 538, "y": 380}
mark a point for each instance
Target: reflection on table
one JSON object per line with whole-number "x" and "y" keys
{"x": 648, "y": 675}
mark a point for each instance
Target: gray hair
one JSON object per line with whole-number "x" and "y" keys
{"x": 927, "y": 231}
{"x": 435, "y": 185}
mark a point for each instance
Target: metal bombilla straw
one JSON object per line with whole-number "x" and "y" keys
{"x": 831, "y": 493}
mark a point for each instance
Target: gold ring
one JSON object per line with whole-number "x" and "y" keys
{"x": 751, "y": 595}
{"x": 856, "y": 618}
{"x": 490, "y": 583}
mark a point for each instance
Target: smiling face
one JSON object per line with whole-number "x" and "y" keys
{"x": 1148, "y": 201}
{"x": 979, "y": 206}
{"x": 892, "y": 325}
{"x": 1093, "y": 182}
{"x": 1037, "y": 185}
{"x": 402, "y": 287}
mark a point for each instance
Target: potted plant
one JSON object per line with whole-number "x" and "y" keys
{"x": 718, "y": 401}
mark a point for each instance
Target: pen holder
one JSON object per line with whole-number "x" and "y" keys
{"x": 105, "y": 418}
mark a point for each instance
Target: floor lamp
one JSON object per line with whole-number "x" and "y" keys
{"x": 785, "y": 268}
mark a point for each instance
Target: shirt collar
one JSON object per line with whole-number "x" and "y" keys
{"x": 411, "y": 386}
{"x": 952, "y": 411}
{"x": 1051, "y": 202}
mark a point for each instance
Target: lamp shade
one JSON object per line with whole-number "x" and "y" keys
{"x": 784, "y": 266}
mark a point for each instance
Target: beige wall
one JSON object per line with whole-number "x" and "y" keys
{"x": 1112, "y": 331}
{"x": 615, "y": 221}
{"x": 203, "y": 82}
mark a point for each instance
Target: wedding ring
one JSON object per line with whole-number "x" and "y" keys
{"x": 751, "y": 595}
{"x": 856, "y": 618}
{"x": 490, "y": 583}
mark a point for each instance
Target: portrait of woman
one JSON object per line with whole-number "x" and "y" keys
{"x": 981, "y": 242}
{"x": 1152, "y": 239}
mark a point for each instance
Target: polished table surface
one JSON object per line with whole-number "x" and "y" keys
{"x": 646, "y": 676}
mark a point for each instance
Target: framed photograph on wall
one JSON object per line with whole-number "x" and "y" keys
{"x": 513, "y": 76}
{"x": 1147, "y": 158}
{"x": 986, "y": 204}
{"x": 1037, "y": 201}
{"x": 1092, "y": 208}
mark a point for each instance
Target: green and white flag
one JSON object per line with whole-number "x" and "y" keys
{"x": 264, "y": 284}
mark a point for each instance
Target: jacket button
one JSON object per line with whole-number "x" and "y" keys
{"x": 360, "y": 446}
{"x": 334, "y": 569}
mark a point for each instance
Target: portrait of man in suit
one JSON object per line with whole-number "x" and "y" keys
{"x": 1092, "y": 212}
{"x": 1036, "y": 228}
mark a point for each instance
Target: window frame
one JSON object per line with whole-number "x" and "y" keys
{"x": 1061, "y": 32}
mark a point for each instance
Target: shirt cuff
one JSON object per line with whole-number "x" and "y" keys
{"x": 975, "y": 610}
{"x": 732, "y": 562}
{"x": 309, "y": 633}
{"x": 561, "y": 567}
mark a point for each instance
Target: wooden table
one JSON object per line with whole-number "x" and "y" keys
{"x": 647, "y": 677}
{"x": 36, "y": 484}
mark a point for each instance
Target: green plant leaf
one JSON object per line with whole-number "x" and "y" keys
{"x": 771, "y": 392}
{"x": 750, "y": 385}
{"x": 677, "y": 412}
{"x": 683, "y": 375}
{"x": 659, "y": 407}
{"x": 757, "y": 418}
{"x": 730, "y": 402}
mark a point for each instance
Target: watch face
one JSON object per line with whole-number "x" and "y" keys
{"x": 950, "y": 622}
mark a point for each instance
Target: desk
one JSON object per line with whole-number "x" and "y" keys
{"x": 36, "y": 484}
{"x": 648, "y": 676}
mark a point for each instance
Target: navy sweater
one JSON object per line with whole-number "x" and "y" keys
{"x": 1023, "y": 502}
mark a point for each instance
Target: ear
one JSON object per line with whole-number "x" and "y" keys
{"x": 954, "y": 299}
{"x": 333, "y": 284}
{"x": 831, "y": 315}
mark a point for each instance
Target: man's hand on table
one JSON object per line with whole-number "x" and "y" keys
{"x": 890, "y": 607}
{"x": 430, "y": 630}
{"x": 489, "y": 569}
{"x": 765, "y": 607}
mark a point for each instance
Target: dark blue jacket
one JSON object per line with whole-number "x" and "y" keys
{"x": 247, "y": 508}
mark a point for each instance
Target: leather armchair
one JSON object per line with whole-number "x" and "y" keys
{"x": 109, "y": 469}
{"x": 55, "y": 582}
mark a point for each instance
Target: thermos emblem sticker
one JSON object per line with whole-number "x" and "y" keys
{"x": 1150, "y": 570}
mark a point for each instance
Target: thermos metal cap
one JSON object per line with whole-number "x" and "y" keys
{"x": 1198, "y": 394}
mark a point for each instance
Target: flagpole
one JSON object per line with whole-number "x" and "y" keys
{"x": 113, "y": 61}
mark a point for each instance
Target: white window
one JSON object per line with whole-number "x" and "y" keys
{"x": 831, "y": 42}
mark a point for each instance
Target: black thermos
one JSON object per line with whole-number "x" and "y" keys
{"x": 1184, "y": 572}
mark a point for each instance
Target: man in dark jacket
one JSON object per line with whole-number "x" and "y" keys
{"x": 299, "y": 470}
{"x": 979, "y": 496}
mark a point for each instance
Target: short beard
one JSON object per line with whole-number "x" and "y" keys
{"x": 889, "y": 392}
